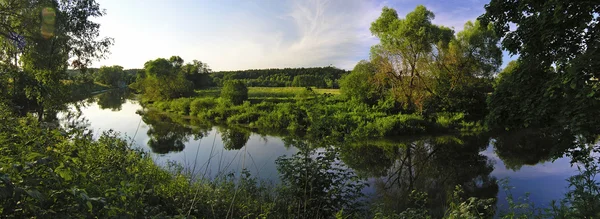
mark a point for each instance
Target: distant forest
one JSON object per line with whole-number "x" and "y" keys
{"x": 321, "y": 77}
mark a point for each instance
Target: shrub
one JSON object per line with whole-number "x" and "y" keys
{"x": 202, "y": 104}
{"x": 244, "y": 118}
{"x": 181, "y": 106}
{"x": 234, "y": 91}
{"x": 400, "y": 124}
{"x": 448, "y": 120}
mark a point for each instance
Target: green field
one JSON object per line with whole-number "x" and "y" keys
{"x": 268, "y": 92}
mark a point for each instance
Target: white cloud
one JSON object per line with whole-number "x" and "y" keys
{"x": 255, "y": 34}
{"x": 322, "y": 33}
{"x": 297, "y": 34}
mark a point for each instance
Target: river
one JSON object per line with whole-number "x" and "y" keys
{"x": 472, "y": 160}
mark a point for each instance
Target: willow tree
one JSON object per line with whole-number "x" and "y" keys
{"x": 427, "y": 66}
{"x": 406, "y": 46}
{"x": 463, "y": 71}
{"x": 40, "y": 39}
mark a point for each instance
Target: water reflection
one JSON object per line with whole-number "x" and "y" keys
{"x": 432, "y": 165}
{"x": 531, "y": 147}
{"x": 234, "y": 138}
{"x": 396, "y": 167}
{"x": 113, "y": 99}
{"x": 167, "y": 135}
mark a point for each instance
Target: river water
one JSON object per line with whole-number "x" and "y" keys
{"x": 210, "y": 150}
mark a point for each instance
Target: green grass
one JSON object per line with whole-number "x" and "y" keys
{"x": 268, "y": 92}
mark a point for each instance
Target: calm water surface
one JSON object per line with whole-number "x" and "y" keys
{"x": 210, "y": 151}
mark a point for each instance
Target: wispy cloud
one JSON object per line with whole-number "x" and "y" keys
{"x": 231, "y": 34}
{"x": 322, "y": 33}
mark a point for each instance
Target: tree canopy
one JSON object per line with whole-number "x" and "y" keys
{"x": 555, "y": 79}
{"x": 234, "y": 91}
{"x": 164, "y": 79}
{"x": 317, "y": 76}
{"x": 427, "y": 68}
{"x": 40, "y": 39}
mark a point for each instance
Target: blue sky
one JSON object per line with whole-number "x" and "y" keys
{"x": 246, "y": 34}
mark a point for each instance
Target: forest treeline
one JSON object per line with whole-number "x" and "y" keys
{"x": 321, "y": 77}
{"x": 420, "y": 78}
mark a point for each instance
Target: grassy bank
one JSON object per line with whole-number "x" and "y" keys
{"x": 271, "y": 94}
{"x": 65, "y": 173}
{"x": 298, "y": 110}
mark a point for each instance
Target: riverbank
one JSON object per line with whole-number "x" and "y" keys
{"x": 318, "y": 115}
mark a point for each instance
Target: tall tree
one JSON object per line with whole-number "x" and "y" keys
{"x": 406, "y": 46}
{"x": 429, "y": 69}
{"x": 463, "y": 71}
{"x": 235, "y": 92}
{"x": 113, "y": 76}
{"x": 163, "y": 79}
{"x": 358, "y": 85}
{"x": 41, "y": 38}
{"x": 558, "y": 45}
{"x": 197, "y": 73}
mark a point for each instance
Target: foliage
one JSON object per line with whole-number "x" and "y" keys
{"x": 111, "y": 75}
{"x": 424, "y": 68}
{"x": 557, "y": 65}
{"x": 308, "y": 81}
{"x": 315, "y": 114}
{"x": 164, "y": 79}
{"x": 470, "y": 208}
{"x": 199, "y": 105}
{"x": 67, "y": 174}
{"x": 358, "y": 85}
{"x": 235, "y": 92}
{"x": 315, "y": 185}
{"x": 198, "y": 73}
{"x": 40, "y": 40}
{"x": 313, "y": 77}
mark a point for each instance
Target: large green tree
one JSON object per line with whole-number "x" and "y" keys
{"x": 556, "y": 75}
{"x": 163, "y": 79}
{"x": 359, "y": 84}
{"x": 426, "y": 67}
{"x": 198, "y": 73}
{"x": 40, "y": 39}
{"x": 463, "y": 71}
{"x": 234, "y": 91}
{"x": 405, "y": 50}
{"x": 113, "y": 76}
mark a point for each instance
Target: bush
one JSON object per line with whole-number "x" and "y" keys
{"x": 400, "y": 125}
{"x": 181, "y": 106}
{"x": 201, "y": 105}
{"x": 447, "y": 120}
{"x": 234, "y": 91}
{"x": 244, "y": 118}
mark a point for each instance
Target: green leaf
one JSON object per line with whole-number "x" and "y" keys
{"x": 34, "y": 155}
{"x": 35, "y": 194}
{"x": 64, "y": 173}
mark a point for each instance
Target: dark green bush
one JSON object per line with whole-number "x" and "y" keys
{"x": 234, "y": 91}
{"x": 181, "y": 106}
{"x": 201, "y": 104}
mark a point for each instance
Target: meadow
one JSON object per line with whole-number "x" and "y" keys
{"x": 268, "y": 92}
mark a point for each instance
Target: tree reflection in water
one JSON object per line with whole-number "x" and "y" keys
{"x": 433, "y": 166}
{"x": 169, "y": 135}
{"x": 113, "y": 99}
{"x": 530, "y": 147}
